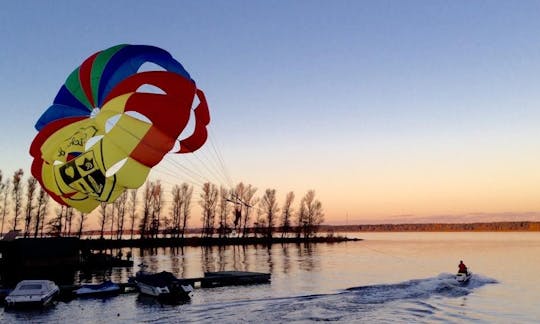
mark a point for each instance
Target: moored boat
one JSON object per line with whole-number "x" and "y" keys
{"x": 163, "y": 285}
{"x": 32, "y": 293}
{"x": 103, "y": 289}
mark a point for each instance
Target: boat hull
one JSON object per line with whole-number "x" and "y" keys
{"x": 31, "y": 301}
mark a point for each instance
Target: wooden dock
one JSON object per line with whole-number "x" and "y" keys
{"x": 228, "y": 278}
{"x": 210, "y": 279}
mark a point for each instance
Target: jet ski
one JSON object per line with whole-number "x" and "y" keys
{"x": 463, "y": 277}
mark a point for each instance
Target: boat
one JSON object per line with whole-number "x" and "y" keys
{"x": 463, "y": 277}
{"x": 163, "y": 285}
{"x": 103, "y": 289}
{"x": 32, "y": 293}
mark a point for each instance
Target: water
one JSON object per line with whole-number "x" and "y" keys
{"x": 387, "y": 278}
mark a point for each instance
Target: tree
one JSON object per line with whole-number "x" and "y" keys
{"x": 147, "y": 205}
{"x": 5, "y": 201}
{"x": 156, "y": 204}
{"x": 248, "y": 201}
{"x": 176, "y": 209}
{"x": 68, "y": 216}
{"x": 287, "y": 211}
{"x": 103, "y": 217}
{"x": 121, "y": 205}
{"x": 29, "y": 210}
{"x": 311, "y": 214}
{"x": 224, "y": 210}
{"x": 208, "y": 203}
{"x": 17, "y": 196}
{"x": 55, "y": 224}
{"x": 41, "y": 211}
{"x": 82, "y": 218}
{"x": 4, "y": 190}
{"x": 187, "y": 194}
{"x": 270, "y": 209}
{"x": 132, "y": 209}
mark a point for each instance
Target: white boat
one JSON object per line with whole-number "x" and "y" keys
{"x": 106, "y": 288}
{"x": 30, "y": 293}
{"x": 162, "y": 285}
{"x": 463, "y": 277}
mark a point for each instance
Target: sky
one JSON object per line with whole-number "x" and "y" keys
{"x": 389, "y": 110}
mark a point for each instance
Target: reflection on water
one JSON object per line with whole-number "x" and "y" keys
{"x": 190, "y": 262}
{"x": 399, "y": 277}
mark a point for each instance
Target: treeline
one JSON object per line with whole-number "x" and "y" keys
{"x": 154, "y": 212}
{"x": 441, "y": 227}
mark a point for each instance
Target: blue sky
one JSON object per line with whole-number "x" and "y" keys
{"x": 384, "y": 108}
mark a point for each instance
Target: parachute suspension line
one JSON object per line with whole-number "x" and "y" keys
{"x": 173, "y": 175}
{"x": 194, "y": 173}
{"x": 220, "y": 158}
{"x": 211, "y": 162}
{"x": 195, "y": 176}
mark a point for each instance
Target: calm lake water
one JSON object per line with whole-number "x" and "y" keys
{"x": 387, "y": 278}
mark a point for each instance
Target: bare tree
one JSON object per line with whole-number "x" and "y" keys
{"x": 17, "y": 196}
{"x": 41, "y": 211}
{"x": 55, "y": 224}
{"x": 248, "y": 201}
{"x": 2, "y": 208}
{"x": 176, "y": 209}
{"x": 147, "y": 209}
{"x": 224, "y": 210}
{"x": 132, "y": 209}
{"x": 208, "y": 203}
{"x": 121, "y": 205}
{"x": 311, "y": 214}
{"x": 5, "y": 202}
{"x": 157, "y": 204}
{"x": 112, "y": 213}
{"x": 103, "y": 217}
{"x": 29, "y": 210}
{"x": 69, "y": 219}
{"x": 286, "y": 214}
{"x": 269, "y": 209}
{"x": 82, "y": 218}
{"x": 187, "y": 194}
{"x": 236, "y": 196}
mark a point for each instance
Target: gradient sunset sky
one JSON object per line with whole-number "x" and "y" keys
{"x": 387, "y": 109}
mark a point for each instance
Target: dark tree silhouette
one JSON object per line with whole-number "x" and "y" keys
{"x": 6, "y": 186}
{"x": 286, "y": 214}
{"x": 17, "y": 196}
{"x": 41, "y": 211}
{"x": 82, "y": 218}
{"x": 187, "y": 194}
{"x": 147, "y": 210}
{"x": 29, "y": 210}
{"x": 270, "y": 209}
{"x": 311, "y": 215}
{"x": 120, "y": 205}
{"x": 208, "y": 202}
{"x": 224, "y": 210}
{"x": 132, "y": 209}
{"x": 103, "y": 217}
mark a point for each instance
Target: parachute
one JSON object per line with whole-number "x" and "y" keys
{"x": 105, "y": 130}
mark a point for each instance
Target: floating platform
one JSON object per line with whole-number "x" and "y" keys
{"x": 232, "y": 278}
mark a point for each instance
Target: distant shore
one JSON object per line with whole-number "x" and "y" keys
{"x": 525, "y": 226}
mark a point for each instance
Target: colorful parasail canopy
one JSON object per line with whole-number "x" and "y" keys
{"x": 111, "y": 122}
